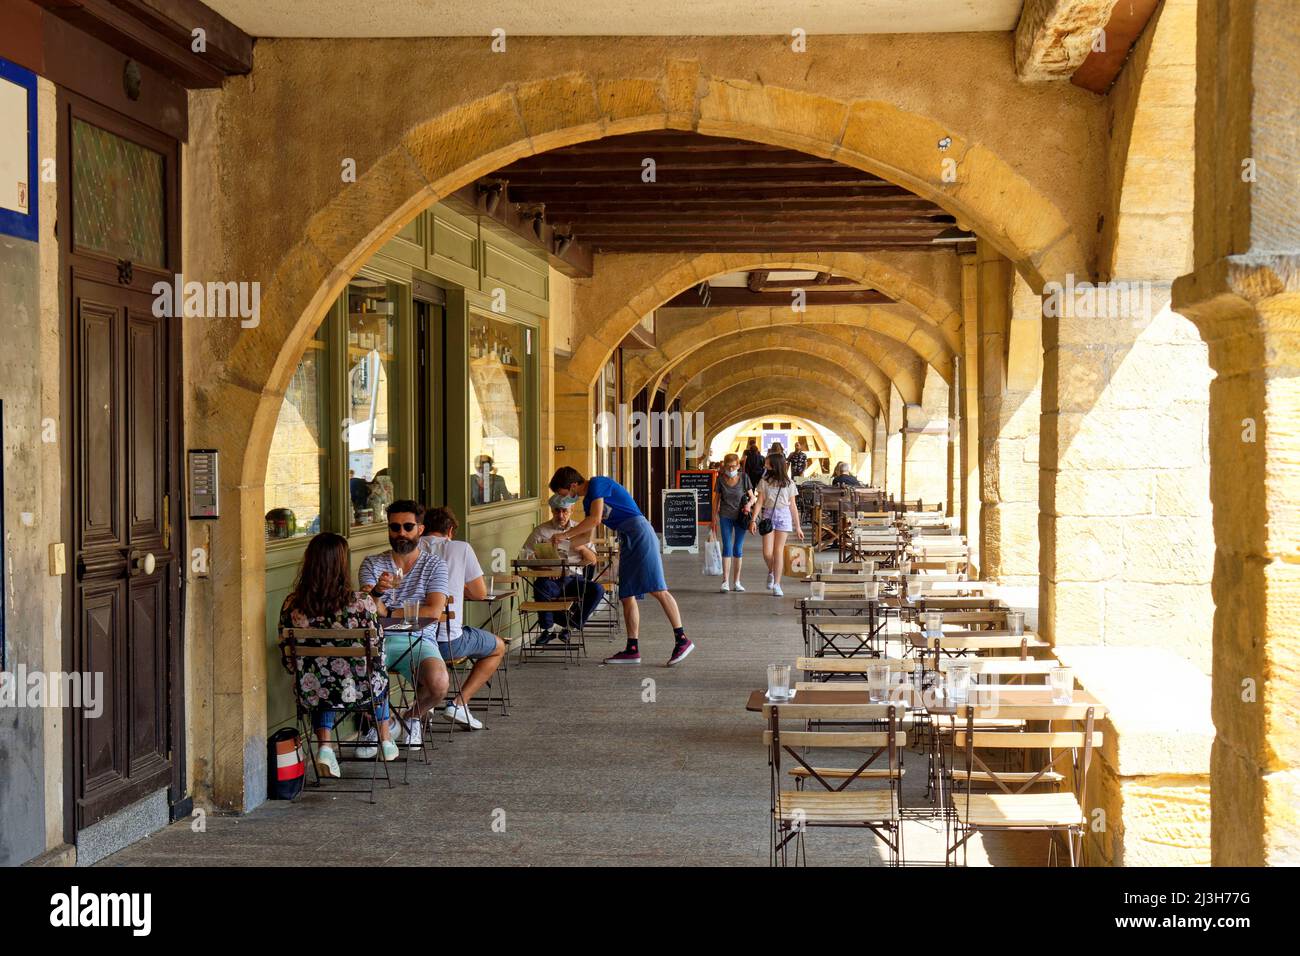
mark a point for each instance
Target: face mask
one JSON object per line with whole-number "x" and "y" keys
{"x": 569, "y": 502}
{"x": 732, "y": 472}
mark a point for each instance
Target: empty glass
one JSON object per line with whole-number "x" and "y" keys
{"x": 825, "y": 565}
{"x": 778, "y": 681}
{"x": 1061, "y": 680}
{"x": 491, "y": 585}
{"x": 817, "y": 590}
{"x": 932, "y": 623}
{"x": 959, "y": 682}
{"x": 871, "y": 591}
{"x": 1016, "y": 622}
{"x": 878, "y": 682}
{"x": 913, "y": 587}
{"x": 950, "y": 567}
{"x": 411, "y": 610}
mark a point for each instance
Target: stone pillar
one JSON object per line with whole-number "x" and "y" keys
{"x": 970, "y": 410}
{"x": 878, "y": 450}
{"x": 994, "y": 315}
{"x": 894, "y": 446}
{"x": 925, "y": 454}
{"x": 1244, "y": 294}
{"x": 1125, "y": 535}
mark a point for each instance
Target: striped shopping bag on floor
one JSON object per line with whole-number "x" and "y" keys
{"x": 286, "y": 767}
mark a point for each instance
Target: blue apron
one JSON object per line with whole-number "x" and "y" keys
{"x": 640, "y": 570}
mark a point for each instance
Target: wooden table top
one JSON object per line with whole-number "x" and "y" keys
{"x": 393, "y": 623}
{"x": 1006, "y": 699}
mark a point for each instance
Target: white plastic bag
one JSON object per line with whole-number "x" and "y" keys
{"x": 712, "y": 556}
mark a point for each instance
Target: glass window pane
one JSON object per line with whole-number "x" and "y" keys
{"x": 295, "y": 470}
{"x": 499, "y": 373}
{"x": 118, "y": 197}
{"x": 373, "y": 413}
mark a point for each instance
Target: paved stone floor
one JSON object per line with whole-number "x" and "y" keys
{"x": 585, "y": 770}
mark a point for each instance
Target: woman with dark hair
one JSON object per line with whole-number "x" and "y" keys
{"x": 778, "y": 504}
{"x": 752, "y": 462}
{"x": 323, "y": 597}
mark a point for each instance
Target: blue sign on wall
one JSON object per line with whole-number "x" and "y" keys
{"x": 19, "y": 181}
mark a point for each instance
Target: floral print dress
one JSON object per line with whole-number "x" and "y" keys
{"x": 328, "y": 682}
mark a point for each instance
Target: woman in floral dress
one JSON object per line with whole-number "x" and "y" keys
{"x": 323, "y": 597}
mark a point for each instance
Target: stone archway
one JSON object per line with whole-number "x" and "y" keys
{"x": 779, "y": 390}
{"x": 729, "y": 414}
{"x": 302, "y": 244}
{"x": 810, "y": 355}
{"x": 854, "y": 332}
{"x": 817, "y": 375}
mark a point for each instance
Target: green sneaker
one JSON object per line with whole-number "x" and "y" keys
{"x": 390, "y": 749}
{"x": 327, "y": 765}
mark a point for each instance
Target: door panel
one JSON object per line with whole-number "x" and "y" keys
{"x": 120, "y": 374}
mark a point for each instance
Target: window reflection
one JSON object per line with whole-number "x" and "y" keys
{"x": 372, "y": 399}
{"x": 499, "y": 368}
{"x": 295, "y": 469}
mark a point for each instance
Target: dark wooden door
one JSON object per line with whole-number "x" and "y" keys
{"x": 125, "y": 569}
{"x": 123, "y": 451}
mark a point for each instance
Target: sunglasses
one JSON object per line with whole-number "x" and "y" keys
{"x": 396, "y": 526}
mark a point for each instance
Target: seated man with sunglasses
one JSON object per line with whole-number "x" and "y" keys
{"x": 408, "y": 574}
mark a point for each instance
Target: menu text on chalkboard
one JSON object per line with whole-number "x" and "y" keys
{"x": 701, "y": 482}
{"x": 681, "y": 530}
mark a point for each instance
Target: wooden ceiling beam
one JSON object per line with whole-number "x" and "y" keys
{"x": 725, "y": 297}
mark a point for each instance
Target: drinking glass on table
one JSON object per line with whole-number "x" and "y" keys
{"x": 878, "y": 682}
{"x": 959, "y": 682}
{"x": 817, "y": 590}
{"x": 1061, "y": 680}
{"x": 870, "y": 591}
{"x": 1016, "y": 623}
{"x": 778, "y": 681}
{"x": 411, "y": 611}
{"x": 491, "y": 586}
{"x": 932, "y": 623}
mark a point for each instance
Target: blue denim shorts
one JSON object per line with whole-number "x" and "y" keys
{"x": 474, "y": 643}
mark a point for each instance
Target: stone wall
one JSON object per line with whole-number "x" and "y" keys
{"x": 925, "y": 454}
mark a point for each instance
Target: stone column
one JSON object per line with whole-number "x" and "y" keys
{"x": 970, "y": 409}
{"x": 925, "y": 464}
{"x": 994, "y": 314}
{"x": 1244, "y": 294}
{"x": 878, "y": 450}
{"x": 894, "y": 446}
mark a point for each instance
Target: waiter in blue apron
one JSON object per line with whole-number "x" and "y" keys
{"x": 640, "y": 570}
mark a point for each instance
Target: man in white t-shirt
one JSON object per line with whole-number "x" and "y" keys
{"x": 458, "y": 639}
{"x": 584, "y": 592}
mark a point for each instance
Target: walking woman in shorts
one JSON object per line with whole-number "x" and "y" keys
{"x": 777, "y": 503}
{"x": 640, "y": 570}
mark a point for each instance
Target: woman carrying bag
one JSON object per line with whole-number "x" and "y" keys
{"x": 777, "y": 497}
{"x": 733, "y": 503}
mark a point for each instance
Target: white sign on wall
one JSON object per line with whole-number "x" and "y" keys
{"x": 14, "y": 148}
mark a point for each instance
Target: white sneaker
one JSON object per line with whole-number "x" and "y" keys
{"x": 370, "y": 752}
{"x": 724, "y": 589}
{"x": 776, "y": 590}
{"x": 414, "y": 733}
{"x": 457, "y": 713}
{"x": 771, "y": 580}
{"x": 737, "y": 586}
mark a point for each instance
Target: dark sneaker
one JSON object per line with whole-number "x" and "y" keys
{"x": 625, "y": 657}
{"x": 562, "y": 635}
{"x": 680, "y": 652}
{"x": 546, "y": 637}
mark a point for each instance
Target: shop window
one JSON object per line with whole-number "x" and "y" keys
{"x": 372, "y": 406}
{"x": 500, "y": 376}
{"x": 296, "y": 467}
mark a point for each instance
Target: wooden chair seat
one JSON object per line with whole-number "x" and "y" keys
{"x": 1015, "y": 777}
{"x": 1018, "y": 810}
{"x": 989, "y": 723}
{"x": 545, "y": 605}
{"x": 846, "y": 806}
{"x": 842, "y": 773}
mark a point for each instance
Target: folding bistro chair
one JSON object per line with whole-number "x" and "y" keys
{"x": 1016, "y": 805}
{"x": 833, "y": 804}
{"x": 531, "y": 609}
{"x": 351, "y": 646}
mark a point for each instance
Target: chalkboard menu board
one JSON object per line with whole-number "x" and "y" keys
{"x": 701, "y": 482}
{"x": 681, "y": 530}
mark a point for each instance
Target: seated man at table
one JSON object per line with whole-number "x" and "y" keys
{"x": 458, "y": 639}
{"x": 542, "y": 543}
{"x": 408, "y": 574}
